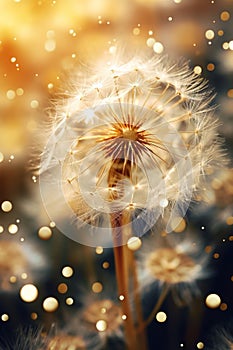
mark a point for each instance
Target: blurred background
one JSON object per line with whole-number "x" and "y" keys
{"x": 40, "y": 42}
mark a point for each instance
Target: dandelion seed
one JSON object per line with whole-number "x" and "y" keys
{"x": 131, "y": 133}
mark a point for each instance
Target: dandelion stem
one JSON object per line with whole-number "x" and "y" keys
{"x": 122, "y": 276}
{"x": 142, "y": 339}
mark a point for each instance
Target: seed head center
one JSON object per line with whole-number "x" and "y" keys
{"x": 130, "y": 134}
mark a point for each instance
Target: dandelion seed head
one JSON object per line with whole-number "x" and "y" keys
{"x": 170, "y": 266}
{"x": 68, "y": 342}
{"x": 130, "y": 132}
{"x": 103, "y": 315}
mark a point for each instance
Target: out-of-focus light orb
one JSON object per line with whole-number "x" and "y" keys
{"x": 69, "y": 301}
{"x": 19, "y": 92}
{"x": 161, "y": 316}
{"x": 28, "y": 293}
{"x": 1, "y": 229}
{"x": 225, "y": 45}
{"x": 67, "y": 271}
{"x": 197, "y": 70}
{"x": 34, "y": 104}
{"x": 136, "y": 31}
{"x": 210, "y": 67}
{"x": 213, "y": 301}
{"x": 101, "y": 325}
{"x": 45, "y": 233}
{"x": 50, "y": 45}
{"x": 62, "y": 288}
{"x": 158, "y": 47}
{"x": 223, "y": 307}
{"x": 10, "y": 94}
{"x": 229, "y": 220}
{"x": 6, "y": 206}
{"x": 181, "y": 226}
{"x": 134, "y": 243}
{"x": 50, "y": 304}
{"x": 13, "y": 229}
{"x": 200, "y": 345}
{"x": 1, "y": 157}
{"x": 99, "y": 250}
{"x": 34, "y": 316}
{"x": 231, "y": 45}
{"x": 150, "y": 42}
{"x": 5, "y": 317}
{"x": 163, "y": 203}
{"x": 105, "y": 265}
{"x": 209, "y": 34}
{"x": 230, "y": 93}
{"x": 24, "y": 276}
{"x": 220, "y": 32}
{"x": 13, "y": 279}
{"x": 97, "y": 287}
{"x": 225, "y": 16}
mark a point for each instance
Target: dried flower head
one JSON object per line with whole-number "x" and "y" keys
{"x": 103, "y": 316}
{"x": 176, "y": 264}
{"x": 169, "y": 265}
{"x": 16, "y": 260}
{"x": 136, "y": 135}
{"x": 66, "y": 342}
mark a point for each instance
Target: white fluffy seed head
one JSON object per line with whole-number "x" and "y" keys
{"x": 132, "y": 131}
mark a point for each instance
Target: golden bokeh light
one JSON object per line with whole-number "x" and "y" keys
{"x": 213, "y": 301}
{"x": 69, "y": 301}
{"x": 134, "y": 243}
{"x": 225, "y": 16}
{"x": 13, "y": 229}
{"x": 6, "y": 206}
{"x": 62, "y": 288}
{"x": 45, "y": 233}
{"x": 101, "y": 325}
{"x": 50, "y": 304}
{"x": 99, "y": 250}
{"x": 29, "y": 293}
{"x": 67, "y": 271}
{"x": 97, "y": 287}
{"x": 5, "y": 317}
{"x": 161, "y": 316}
